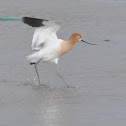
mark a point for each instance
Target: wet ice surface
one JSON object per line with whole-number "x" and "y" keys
{"x": 97, "y": 72}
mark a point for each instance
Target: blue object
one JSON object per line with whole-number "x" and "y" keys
{"x": 9, "y": 18}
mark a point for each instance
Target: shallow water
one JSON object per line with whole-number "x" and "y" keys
{"x": 97, "y": 72}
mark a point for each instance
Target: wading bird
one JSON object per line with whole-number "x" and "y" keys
{"x": 46, "y": 43}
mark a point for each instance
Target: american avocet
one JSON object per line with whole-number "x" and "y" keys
{"x": 46, "y": 43}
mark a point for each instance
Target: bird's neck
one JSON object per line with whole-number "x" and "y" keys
{"x": 65, "y": 47}
{"x": 71, "y": 40}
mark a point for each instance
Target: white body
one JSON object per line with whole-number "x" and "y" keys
{"x": 46, "y": 43}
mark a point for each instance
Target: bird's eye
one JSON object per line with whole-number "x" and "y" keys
{"x": 78, "y": 37}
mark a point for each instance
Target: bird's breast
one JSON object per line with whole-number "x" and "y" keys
{"x": 64, "y": 47}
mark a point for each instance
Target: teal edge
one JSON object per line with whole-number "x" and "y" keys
{"x": 9, "y": 18}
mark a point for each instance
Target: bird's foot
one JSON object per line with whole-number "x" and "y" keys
{"x": 70, "y": 86}
{"x": 43, "y": 85}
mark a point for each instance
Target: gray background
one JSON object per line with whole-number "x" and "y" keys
{"x": 98, "y": 73}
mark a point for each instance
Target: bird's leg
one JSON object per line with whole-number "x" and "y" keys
{"x": 35, "y": 65}
{"x": 61, "y": 76}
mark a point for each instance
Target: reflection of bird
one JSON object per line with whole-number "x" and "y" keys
{"x": 48, "y": 47}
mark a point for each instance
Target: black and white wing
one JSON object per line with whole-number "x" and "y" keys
{"x": 45, "y": 33}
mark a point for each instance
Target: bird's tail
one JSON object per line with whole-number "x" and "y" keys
{"x": 9, "y": 18}
{"x": 33, "y": 59}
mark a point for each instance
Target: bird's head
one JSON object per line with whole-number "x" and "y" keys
{"x": 76, "y": 37}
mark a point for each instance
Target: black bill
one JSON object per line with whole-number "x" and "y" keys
{"x": 88, "y": 42}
